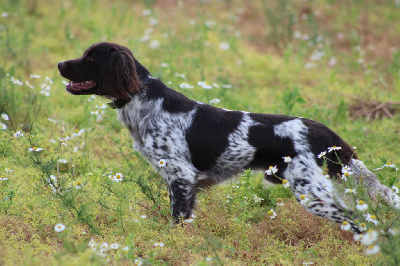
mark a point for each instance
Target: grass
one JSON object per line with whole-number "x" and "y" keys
{"x": 304, "y": 58}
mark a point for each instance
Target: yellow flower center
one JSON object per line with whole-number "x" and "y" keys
{"x": 76, "y": 130}
{"x": 271, "y": 167}
{"x": 373, "y": 217}
{"x": 270, "y": 213}
{"x": 34, "y": 148}
{"x": 78, "y": 183}
{"x": 302, "y": 197}
{"x": 361, "y": 202}
{"x": 370, "y": 247}
{"x": 118, "y": 176}
{"x": 346, "y": 175}
{"x": 279, "y": 200}
{"x": 345, "y": 223}
{"x": 363, "y": 225}
{"x": 284, "y": 181}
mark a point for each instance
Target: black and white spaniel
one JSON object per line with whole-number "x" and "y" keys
{"x": 203, "y": 145}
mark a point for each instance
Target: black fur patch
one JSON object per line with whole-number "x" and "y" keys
{"x": 208, "y": 135}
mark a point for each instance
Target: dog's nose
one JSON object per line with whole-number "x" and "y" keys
{"x": 61, "y": 66}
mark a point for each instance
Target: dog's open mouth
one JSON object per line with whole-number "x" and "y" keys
{"x": 73, "y": 86}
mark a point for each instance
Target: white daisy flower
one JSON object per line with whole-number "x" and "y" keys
{"x": 334, "y": 148}
{"x": 372, "y": 249}
{"x": 18, "y": 134}
{"x": 304, "y": 200}
{"x": 271, "y": 170}
{"x": 114, "y": 246}
{"x": 369, "y": 237}
{"x": 279, "y": 202}
{"x": 395, "y": 189}
{"x": 209, "y": 258}
{"x": 92, "y": 243}
{"x": 322, "y": 154}
{"x": 3, "y": 178}
{"x": 215, "y": 101}
{"x": 345, "y": 226}
{"x": 159, "y": 244}
{"x": 118, "y": 177}
{"x": 287, "y": 159}
{"x": 5, "y": 116}
{"x": 59, "y": 227}
{"x": 126, "y": 248}
{"x": 104, "y": 247}
{"x": 138, "y": 261}
{"x": 361, "y": 205}
{"x": 285, "y": 183}
{"x": 185, "y": 86}
{"x": 35, "y": 149}
{"x": 3, "y": 126}
{"x": 350, "y": 190}
{"x": 371, "y": 218}
{"x": 162, "y": 163}
{"x": 271, "y": 214}
{"x": 78, "y": 185}
{"x": 224, "y": 46}
{"x": 362, "y": 227}
{"x": 34, "y": 76}
{"x": 64, "y": 161}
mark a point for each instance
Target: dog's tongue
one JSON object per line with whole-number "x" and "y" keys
{"x": 85, "y": 85}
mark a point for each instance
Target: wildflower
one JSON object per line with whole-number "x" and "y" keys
{"x": 334, "y": 148}
{"x": 189, "y": 220}
{"x": 257, "y": 199}
{"x": 143, "y": 216}
{"x": 345, "y": 226}
{"x": 18, "y": 134}
{"x": 59, "y": 227}
{"x": 287, "y": 159}
{"x": 64, "y": 161}
{"x": 92, "y": 243}
{"x": 162, "y": 163}
{"x": 350, "y": 190}
{"x": 114, "y": 246}
{"x": 164, "y": 65}
{"x": 78, "y": 185}
{"x": 204, "y": 85}
{"x": 271, "y": 170}
{"x": 8, "y": 170}
{"x": 4, "y": 14}
{"x": 393, "y": 231}
{"x": 183, "y": 76}
{"x": 3, "y": 178}
{"x": 159, "y": 244}
{"x": 372, "y": 249}
{"x": 369, "y": 237}
{"x": 346, "y": 172}
{"x": 362, "y": 227}
{"x": 154, "y": 44}
{"x": 138, "y": 261}
{"x": 5, "y": 116}
{"x": 209, "y": 258}
{"x": 185, "y": 86}
{"x": 126, "y": 248}
{"x": 16, "y": 81}
{"x": 395, "y": 189}
{"x": 371, "y": 218}
{"x": 279, "y": 202}
{"x": 226, "y": 86}
{"x": 34, "y": 76}
{"x": 322, "y": 154}
{"x": 45, "y": 93}
{"x": 104, "y": 247}
{"x": 118, "y": 177}
{"x": 224, "y": 46}
{"x": 3, "y": 126}
{"x": 361, "y": 205}
{"x": 48, "y": 80}
{"x": 153, "y": 21}
{"x": 215, "y": 101}
{"x": 304, "y": 200}
{"x": 308, "y": 263}
{"x": 35, "y": 149}
{"x": 285, "y": 183}
{"x": 272, "y": 214}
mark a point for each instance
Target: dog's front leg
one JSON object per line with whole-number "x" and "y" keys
{"x": 182, "y": 194}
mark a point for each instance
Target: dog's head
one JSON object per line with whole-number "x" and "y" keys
{"x": 105, "y": 69}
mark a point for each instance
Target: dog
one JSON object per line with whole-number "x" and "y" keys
{"x": 201, "y": 145}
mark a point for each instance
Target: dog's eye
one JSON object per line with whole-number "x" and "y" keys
{"x": 90, "y": 58}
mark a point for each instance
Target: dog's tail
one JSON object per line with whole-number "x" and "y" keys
{"x": 375, "y": 189}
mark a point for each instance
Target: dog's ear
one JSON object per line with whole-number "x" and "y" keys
{"x": 119, "y": 77}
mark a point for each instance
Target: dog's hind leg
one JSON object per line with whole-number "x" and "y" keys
{"x": 375, "y": 189}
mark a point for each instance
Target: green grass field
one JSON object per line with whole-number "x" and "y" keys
{"x": 336, "y": 62}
